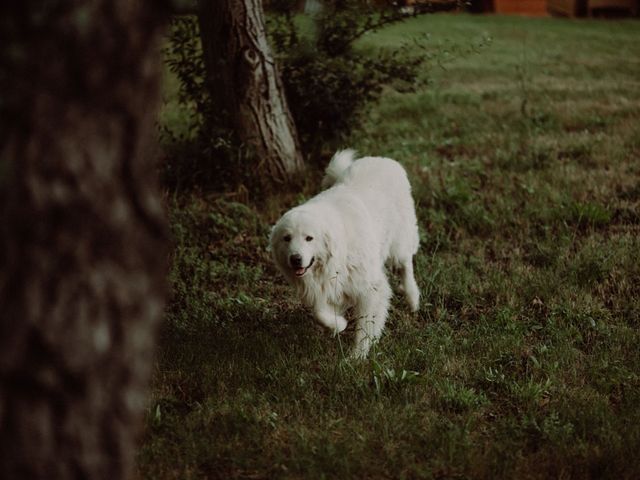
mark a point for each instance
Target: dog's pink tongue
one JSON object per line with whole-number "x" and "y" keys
{"x": 299, "y": 271}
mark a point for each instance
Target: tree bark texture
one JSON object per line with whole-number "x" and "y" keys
{"x": 82, "y": 234}
{"x": 245, "y": 84}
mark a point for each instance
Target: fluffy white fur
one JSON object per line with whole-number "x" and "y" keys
{"x": 333, "y": 248}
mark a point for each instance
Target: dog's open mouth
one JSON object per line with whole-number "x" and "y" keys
{"x": 301, "y": 271}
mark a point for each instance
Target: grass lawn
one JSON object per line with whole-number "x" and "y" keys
{"x": 524, "y": 360}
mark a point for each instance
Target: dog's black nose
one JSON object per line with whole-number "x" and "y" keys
{"x": 296, "y": 260}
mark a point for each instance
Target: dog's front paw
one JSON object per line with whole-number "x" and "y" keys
{"x": 335, "y": 323}
{"x": 340, "y": 325}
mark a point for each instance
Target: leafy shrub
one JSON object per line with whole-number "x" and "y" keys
{"x": 327, "y": 80}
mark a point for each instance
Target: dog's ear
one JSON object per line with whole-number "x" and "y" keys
{"x": 327, "y": 245}
{"x": 274, "y": 251}
{"x": 334, "y": 254}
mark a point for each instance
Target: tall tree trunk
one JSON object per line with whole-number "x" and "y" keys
{"x": 245, "y": 84}
{"x": 82, "y": 234}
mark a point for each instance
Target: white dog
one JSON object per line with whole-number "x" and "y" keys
{"x": 334, "y": 247}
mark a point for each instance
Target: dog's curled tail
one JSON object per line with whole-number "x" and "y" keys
{"x": 338, "y": 165}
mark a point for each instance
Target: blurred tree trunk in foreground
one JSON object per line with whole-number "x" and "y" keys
{"x": 82, "y": 234}
{"x": 243, "y": 80}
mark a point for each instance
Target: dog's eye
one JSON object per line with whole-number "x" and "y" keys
{"x": 287, "y": 238}
{"x": 309, "y": 238}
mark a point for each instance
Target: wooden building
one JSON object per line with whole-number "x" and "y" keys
{"x": 569, "y": 8}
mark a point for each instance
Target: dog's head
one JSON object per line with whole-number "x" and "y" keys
{"x": 297, "y": 243}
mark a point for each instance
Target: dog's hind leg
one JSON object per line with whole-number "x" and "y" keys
{"x": 409, "y": 285}
{"x": 371, "y": 314}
